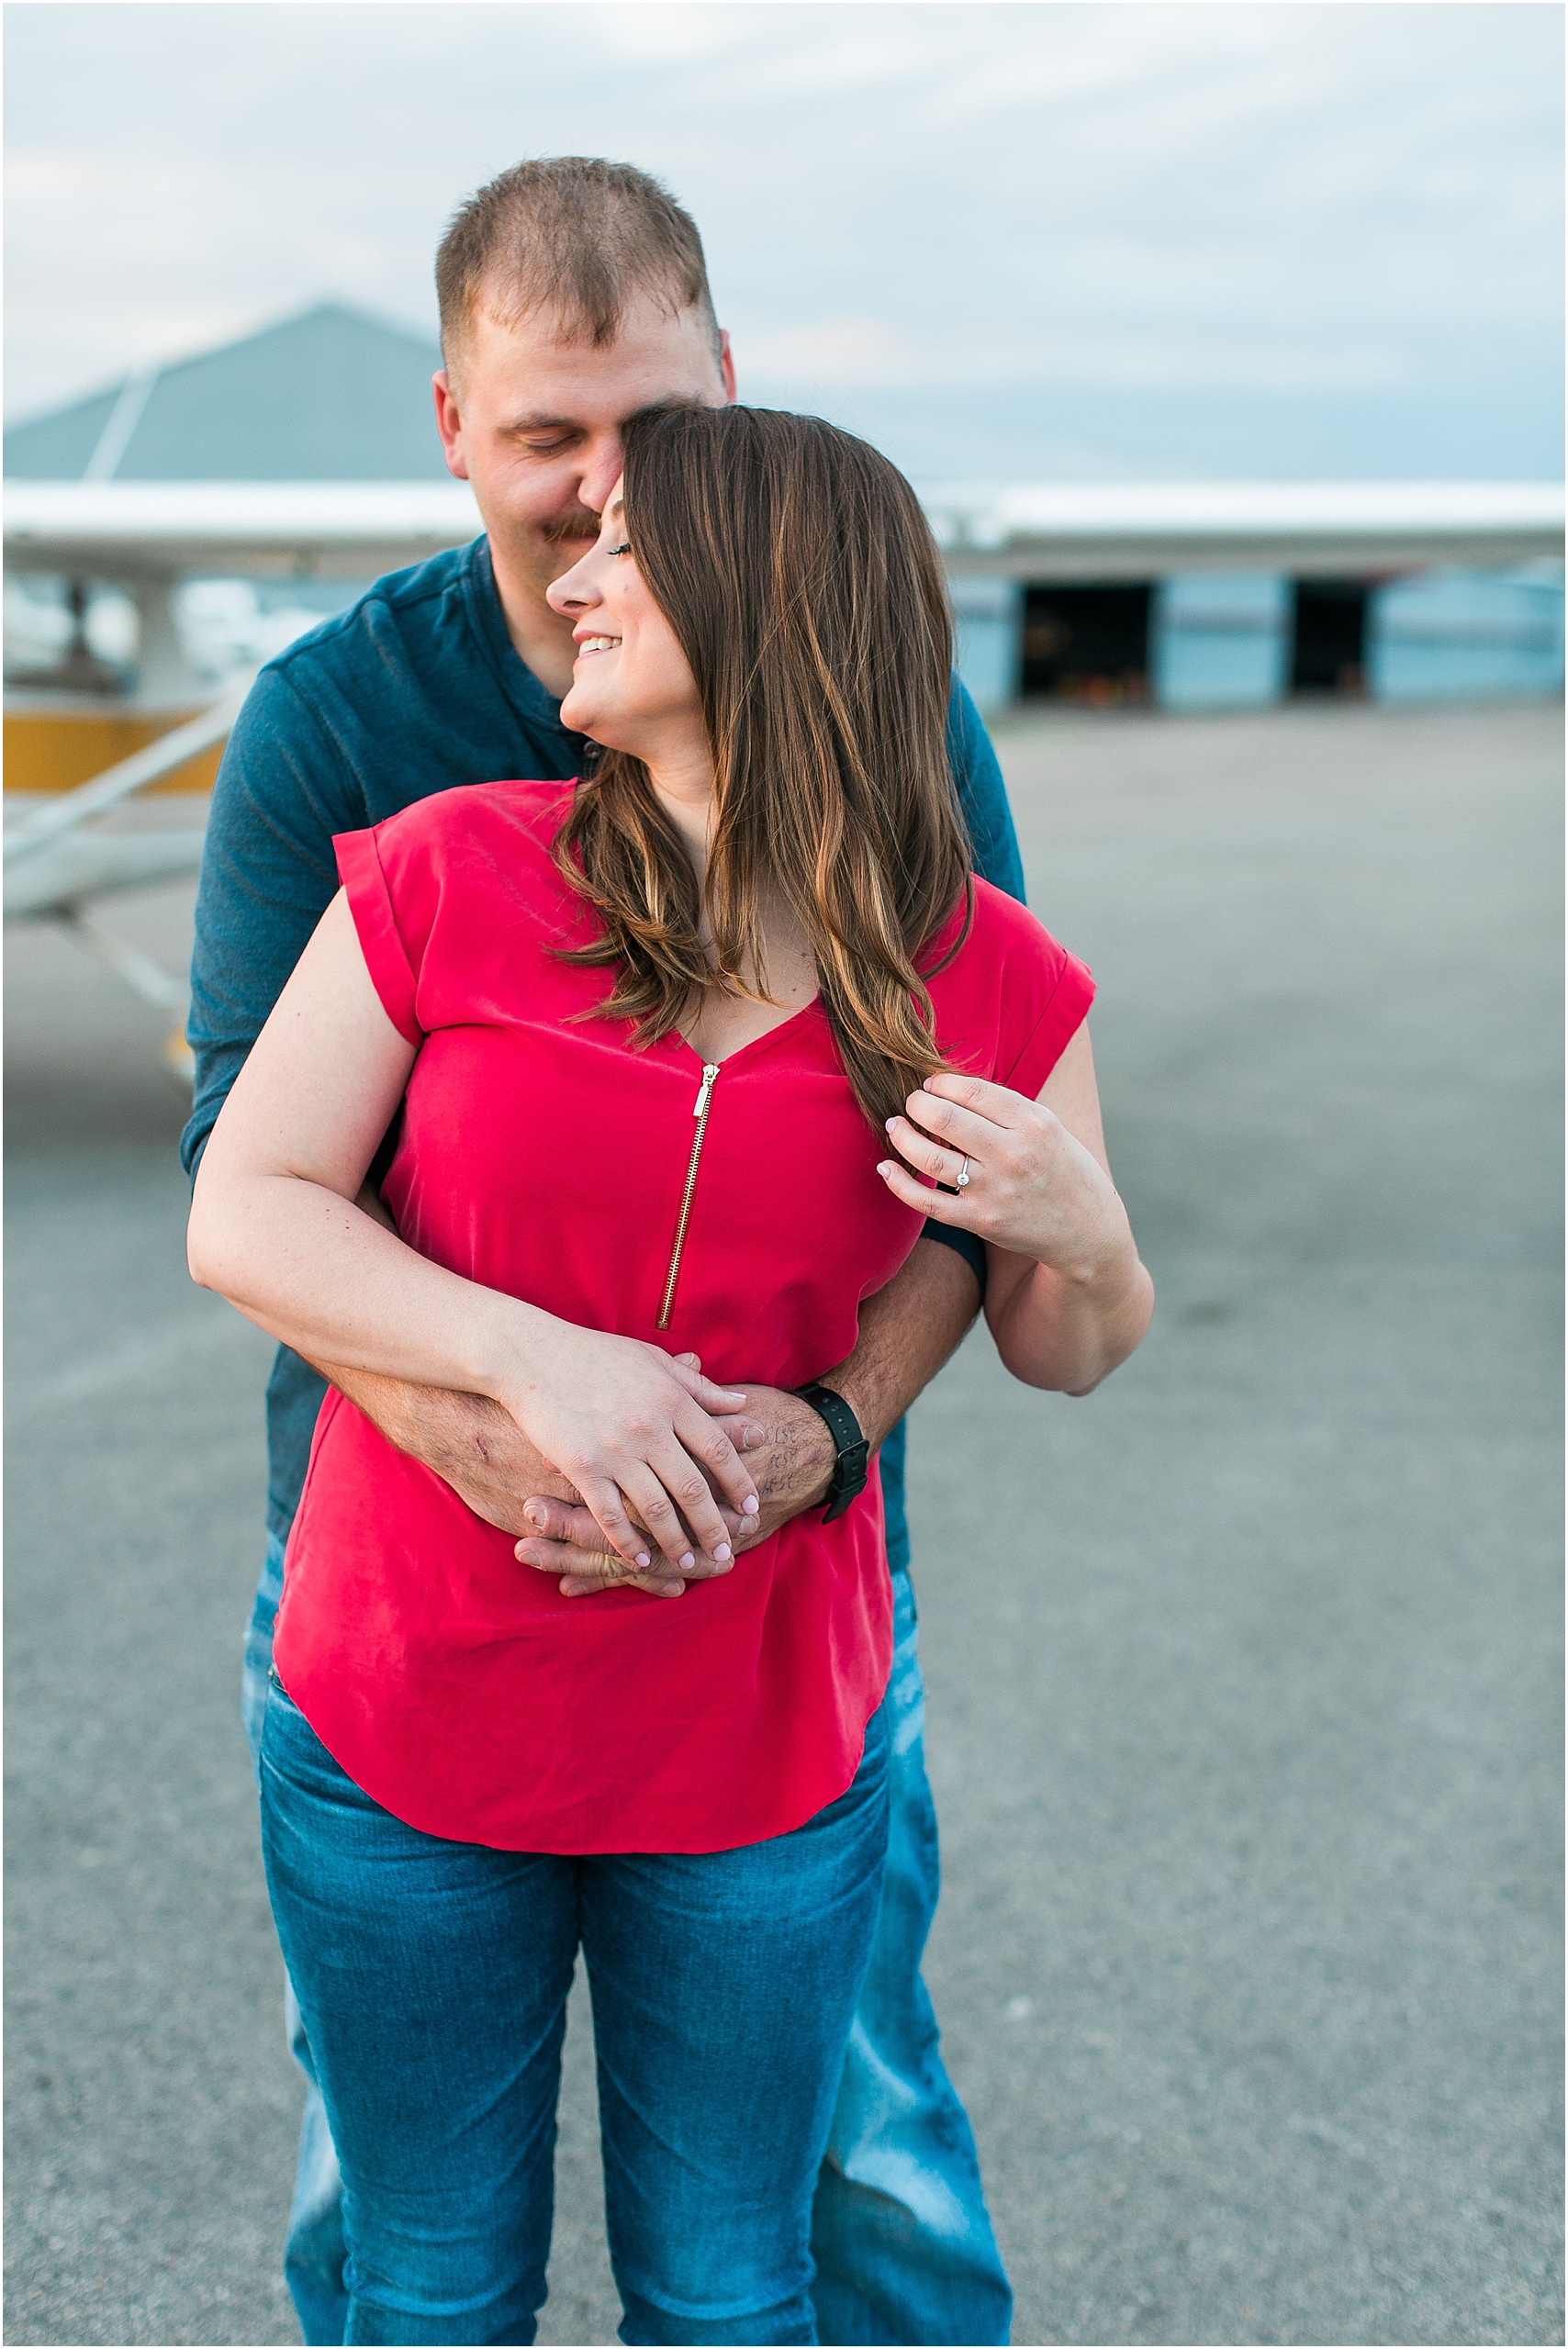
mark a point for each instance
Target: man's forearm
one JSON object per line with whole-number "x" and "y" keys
{"x": 470, "y": 1442}
{"x": 907, "y": 1332}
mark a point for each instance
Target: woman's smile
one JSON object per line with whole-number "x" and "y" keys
{"x": 650, "y": 706}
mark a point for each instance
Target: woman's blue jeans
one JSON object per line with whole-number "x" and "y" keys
{"x": 433, "y": 1979}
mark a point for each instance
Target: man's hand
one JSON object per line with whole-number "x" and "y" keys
{"x": 907, "y": 1332}
{"x": 791, "y": 1463}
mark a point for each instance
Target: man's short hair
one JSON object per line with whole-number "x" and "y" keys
{"x": 576, "y": 235}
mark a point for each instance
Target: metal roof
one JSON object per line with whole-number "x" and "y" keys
{"x": 333, "y": 395}
{"x": 1140, "y": 530}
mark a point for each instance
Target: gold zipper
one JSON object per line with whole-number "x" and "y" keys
{"x": 704, "y": 1102}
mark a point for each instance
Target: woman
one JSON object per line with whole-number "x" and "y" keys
{"x": 652, "y": 1035}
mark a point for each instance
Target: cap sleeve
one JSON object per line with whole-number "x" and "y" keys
{"x": 392, "y": 973}
{"x": 1072, "y": 993}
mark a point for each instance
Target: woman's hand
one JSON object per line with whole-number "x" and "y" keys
{"x": 1018, "y": 1179}
{"x": 559, "y": 1537}
{"x": 1067, "y": 1298}
{"x": 636, "y": 1431}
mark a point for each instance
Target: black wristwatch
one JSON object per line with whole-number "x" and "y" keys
{"x": 853, "y": 1450}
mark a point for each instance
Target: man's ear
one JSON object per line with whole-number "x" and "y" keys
{"x": 449, "y": 424}
{"x": 727, "y": 365}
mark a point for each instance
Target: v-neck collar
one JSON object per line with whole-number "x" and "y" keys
{"x": 756, "y": 1042}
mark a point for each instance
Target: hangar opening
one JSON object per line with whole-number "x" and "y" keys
{"x": 1087, "y": 645}
{"x": 1329, "y": 645}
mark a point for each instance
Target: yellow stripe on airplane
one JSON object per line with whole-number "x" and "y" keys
{"x": 56, "y": 750}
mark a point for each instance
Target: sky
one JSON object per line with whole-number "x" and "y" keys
{"x": 1005, "y": 239}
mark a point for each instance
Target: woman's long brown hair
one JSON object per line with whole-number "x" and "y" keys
{"x": 800, "y": 579}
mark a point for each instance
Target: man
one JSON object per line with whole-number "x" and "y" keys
{"x": 573, "y": 293}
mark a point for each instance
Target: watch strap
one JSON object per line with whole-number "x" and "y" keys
{"x": 851, "y": 1464}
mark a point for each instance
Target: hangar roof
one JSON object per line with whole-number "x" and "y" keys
{"x": 333, "y": 395}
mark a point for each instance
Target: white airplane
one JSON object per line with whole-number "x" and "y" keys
{"x": 146, "y": 537}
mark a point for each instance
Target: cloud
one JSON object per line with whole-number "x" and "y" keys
{"x": 1339, "y": 201}
{"x": 868, "y": 353}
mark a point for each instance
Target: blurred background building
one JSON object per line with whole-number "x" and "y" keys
{"x": 1110, "y": 596}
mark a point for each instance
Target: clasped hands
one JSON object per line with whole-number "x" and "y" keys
{"x": 783, "y": 1445}
{"x": 660, "y": 1447}
{"x": 614, "y": 1462}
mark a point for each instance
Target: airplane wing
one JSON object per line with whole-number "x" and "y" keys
{"x": 119, "y": 529}
{"x": 116, "y": 530}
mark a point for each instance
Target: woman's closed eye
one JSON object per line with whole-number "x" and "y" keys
{"x": 624, "y": 548}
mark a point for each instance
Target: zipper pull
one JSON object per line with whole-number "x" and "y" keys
{"x": 710, "y": 1071}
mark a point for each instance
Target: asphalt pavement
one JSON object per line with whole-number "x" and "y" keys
{"x": 1244, "y": 1672}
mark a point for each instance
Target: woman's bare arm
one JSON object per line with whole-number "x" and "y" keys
{"x": 275, "y": 1228}
{"x": 1066, "y": 1297}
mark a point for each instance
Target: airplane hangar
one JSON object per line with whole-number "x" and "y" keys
{"x": 178, "y": 527}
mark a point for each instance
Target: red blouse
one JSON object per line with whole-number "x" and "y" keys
{"x": 549, "y": 1158}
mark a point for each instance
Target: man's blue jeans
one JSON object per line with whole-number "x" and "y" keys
{"x": 903, "y": 2243}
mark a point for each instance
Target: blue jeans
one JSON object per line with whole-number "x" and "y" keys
{"x": 433, "y": 1977}
{"x": 901, "y": 2237}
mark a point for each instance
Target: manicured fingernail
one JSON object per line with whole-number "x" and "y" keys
{"x": 723, "y": 1550}
{"x": 642, "y": 1558}
{"x": 751, "y": 1506}
{"x": 885, "y": 1169}
{"x": 889, "y": 1122}
{"x": 687, "y": 1560}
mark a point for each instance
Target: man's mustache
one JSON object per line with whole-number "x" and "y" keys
{"x": 570, "y": 529}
